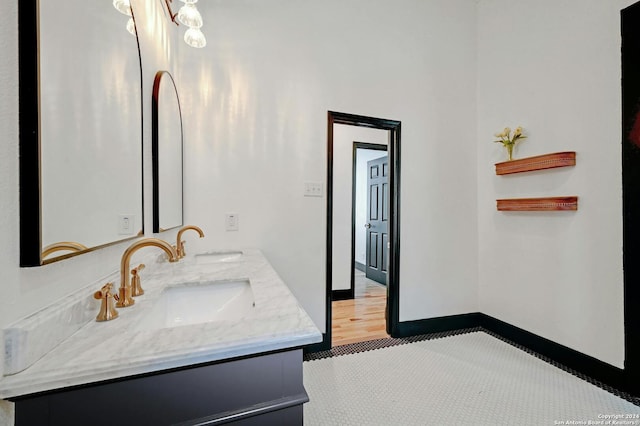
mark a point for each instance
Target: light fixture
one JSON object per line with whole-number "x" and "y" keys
{"x": 189, "y": 16}
{"x": 123, "y": 6}
{"x": 131, "y": 26}
{"x": 195, "y": 38}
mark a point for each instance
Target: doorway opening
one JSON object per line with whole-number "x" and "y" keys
{"x": 382, "y": 239}
{"x": 358, "y": 312}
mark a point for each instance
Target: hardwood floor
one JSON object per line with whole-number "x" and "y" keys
{"x": 362, "y": 318}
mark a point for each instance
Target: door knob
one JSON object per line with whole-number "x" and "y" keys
{"x": 367, "y": 225}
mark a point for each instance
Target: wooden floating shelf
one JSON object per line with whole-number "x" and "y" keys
{"x": 539, "y": 162}
{"x": 538, "y": 204}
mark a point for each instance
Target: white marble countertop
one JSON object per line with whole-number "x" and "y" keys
{"x": 108, "y": 350}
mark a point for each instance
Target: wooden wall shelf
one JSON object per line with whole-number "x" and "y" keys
{"x": 539, "y": 162}
{"x": 538, "y": 204}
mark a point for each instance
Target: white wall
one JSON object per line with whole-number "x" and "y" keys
{"x": 8, "y": 158}
{"x": 256, "y": 101}
{"x": 363, "y": 156}
{"x": 160, "y": 45}
{"x": 554, "y": 68}
{"x": 343, "y": 138}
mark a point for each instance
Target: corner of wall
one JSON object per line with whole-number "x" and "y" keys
{"x": 543, "y": 271}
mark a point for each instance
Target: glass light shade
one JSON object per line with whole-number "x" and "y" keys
{"x": 123, "y": 6}
{"x": 194, "y": 38}
{"x": 189, "y": 16}
{"x": 131, "y": 26}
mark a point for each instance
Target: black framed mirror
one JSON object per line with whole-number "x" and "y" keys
{"x": 167, "y": 147}
{"x": 80, "y": 128}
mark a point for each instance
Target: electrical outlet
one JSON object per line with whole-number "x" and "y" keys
{"x": 125, "y": 224}
{"x": 232, "y": 222}
{"x": 313, "y": 189}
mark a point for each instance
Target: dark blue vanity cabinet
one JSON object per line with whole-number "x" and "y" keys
{"x": 265, "y": 389}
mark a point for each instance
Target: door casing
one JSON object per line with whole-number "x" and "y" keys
{"x": 393, "y": 287}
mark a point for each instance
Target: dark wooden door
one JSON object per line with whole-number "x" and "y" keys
{"x": 377, "y": 219}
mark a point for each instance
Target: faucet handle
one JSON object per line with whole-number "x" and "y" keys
{"x": 107, "y": 309}
{"x": 136, "y": 286}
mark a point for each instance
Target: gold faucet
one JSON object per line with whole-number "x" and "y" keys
{"x": 124, "y": 292}
{"x": 62, "y": 245}
{"x": 180, "y": 244}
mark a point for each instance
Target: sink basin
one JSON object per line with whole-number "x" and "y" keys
{"x": 217, "y": 256}
{"x": 199, "y": 302}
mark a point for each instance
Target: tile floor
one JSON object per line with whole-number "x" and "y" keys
{"x": 471, "y": 378}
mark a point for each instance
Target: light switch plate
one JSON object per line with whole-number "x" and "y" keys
{"x": 125, "y": 224}
{"x": 232, "y": 222}
{"x": 313, "y": 189}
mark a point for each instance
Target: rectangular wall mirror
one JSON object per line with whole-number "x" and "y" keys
{"x": 80, "y": 128}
